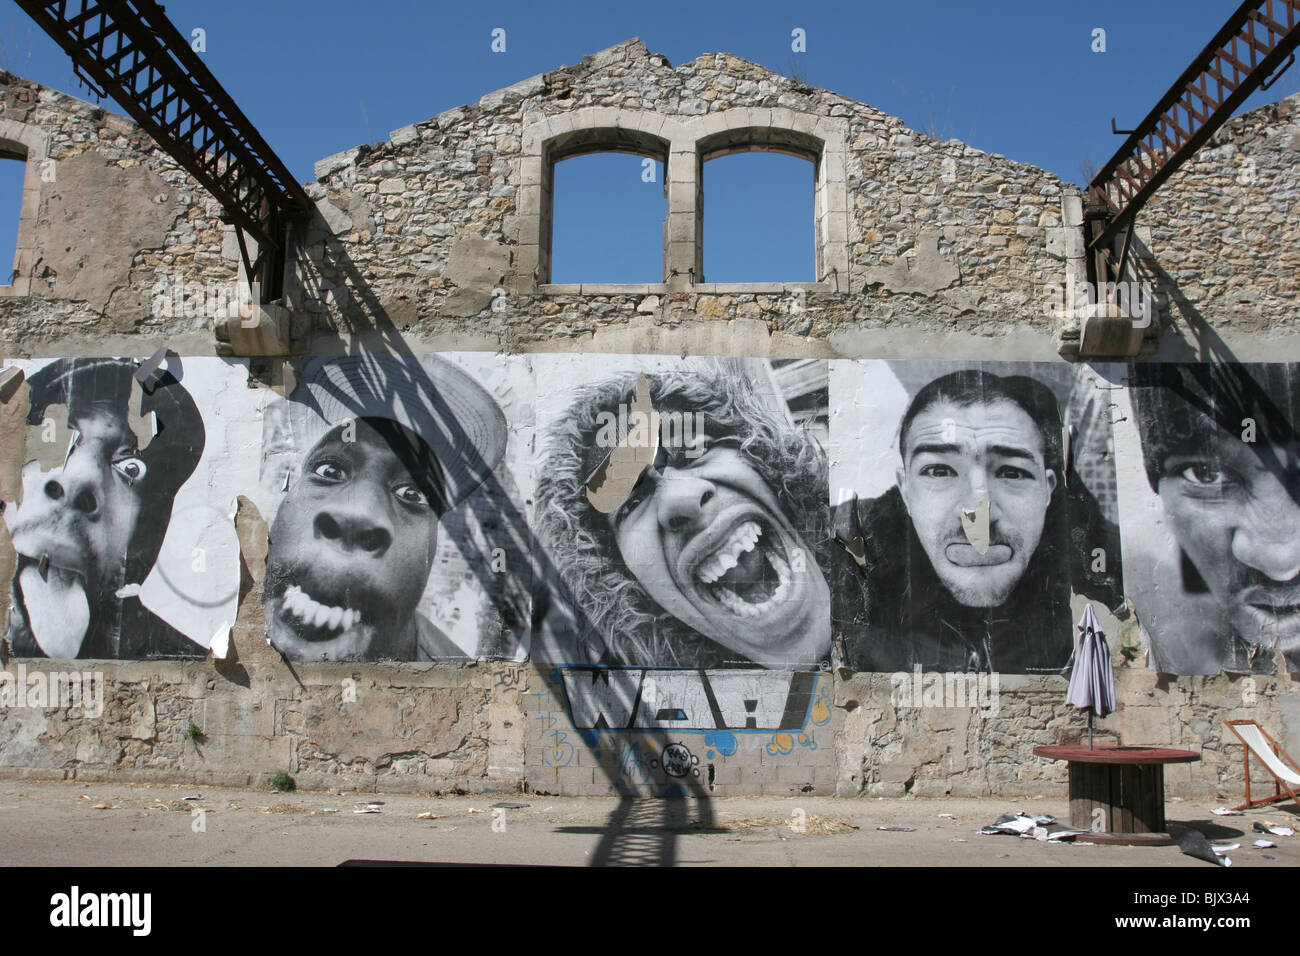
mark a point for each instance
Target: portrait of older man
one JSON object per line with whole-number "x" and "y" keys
{"x": 388, "y": 447}
{"x": 1221, "y": 451}
{"x": 715, "y": 557}
{"x": 93, "y": 525}
{"x": 966, "y": 563}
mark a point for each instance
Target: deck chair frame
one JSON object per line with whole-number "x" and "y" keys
{"x": 1282, "y": 791}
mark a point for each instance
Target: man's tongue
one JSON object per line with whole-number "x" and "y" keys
{"x": 965, "y": 556}
{"x": 57, "y": 610}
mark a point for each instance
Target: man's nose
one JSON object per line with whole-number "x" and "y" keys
{"x": 977, "y": 485}
{"x": 681, "y": 500}
{"x": 79, "y": 486}
{"x": 354, "y": 527}
{"x": 1268, "y": 540}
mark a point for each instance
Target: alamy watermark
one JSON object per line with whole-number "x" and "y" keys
{"x": 977, "y": 691}
{"x": 47, "y": 690}
{"x": 75, "y": 908}
{"x": 631, "y": 427}
{"x": 1131, "y": 300}
{"x": 171, "y": 297}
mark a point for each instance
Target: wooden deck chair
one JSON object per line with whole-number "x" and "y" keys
{"x": 1279, "y": 763}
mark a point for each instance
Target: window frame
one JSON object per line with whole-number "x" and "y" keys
{"x": 683, "y": 146}
{"x": 32, "y": 146}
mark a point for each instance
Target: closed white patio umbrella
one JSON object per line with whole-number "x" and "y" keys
{"x": 1092, "y": 680}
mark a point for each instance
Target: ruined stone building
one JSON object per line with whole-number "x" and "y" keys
{"x": 379, "y": 531}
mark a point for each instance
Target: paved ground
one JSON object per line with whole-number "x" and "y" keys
{"x": 80, "y": 824}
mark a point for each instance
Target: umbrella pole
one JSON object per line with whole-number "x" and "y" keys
{"x": 1089, "y": 728}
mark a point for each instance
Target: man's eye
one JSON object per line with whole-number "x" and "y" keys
{"x": 1202, "y": 473}
{"x": 329, "y": 471}
{"x": 1014, "y": 473}
{"x": 132, "y": 469}
{"x": 939, "y": 471}
{"x": 411, "y": 495}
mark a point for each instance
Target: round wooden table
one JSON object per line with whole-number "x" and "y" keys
{"x": 1118, "y": 793}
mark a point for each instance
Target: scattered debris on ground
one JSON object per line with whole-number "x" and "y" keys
{"x": 1268, "y": 826}
{"x": 810, "y": 824}
{"x": 169, "y": 805}
{"x": 1017, "y": 823}
{"x": 1195, "y": 844}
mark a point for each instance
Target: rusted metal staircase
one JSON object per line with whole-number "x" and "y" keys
{"x": 129, "y": 50}
{"x": 1256, "y": 44}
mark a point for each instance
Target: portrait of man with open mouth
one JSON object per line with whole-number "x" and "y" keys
{"x": 384, "y": 448}
{"x": 713, "y": 556}
{"x": 93, "y": 517}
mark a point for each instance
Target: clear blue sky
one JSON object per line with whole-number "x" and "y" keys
{"x": 1016, "y": 78}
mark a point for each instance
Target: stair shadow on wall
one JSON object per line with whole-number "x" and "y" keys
{"x": 631, "y": 835}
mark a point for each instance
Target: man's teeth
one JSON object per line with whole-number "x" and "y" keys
{"x": 743, "y": 538}
{"x": 309, "y": 611}
{"x": 738, "y": 605}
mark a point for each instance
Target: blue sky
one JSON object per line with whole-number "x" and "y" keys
{"x": 1016, "y": 78}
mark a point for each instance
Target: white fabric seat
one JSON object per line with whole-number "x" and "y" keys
{"x": 1279, "y": 763}
{"x": 1254, "y": 739}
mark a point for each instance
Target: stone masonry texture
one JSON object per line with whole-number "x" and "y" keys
{"x": 434, "y": 240}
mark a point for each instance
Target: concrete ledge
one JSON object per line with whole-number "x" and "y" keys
{"x": 603, "y": 288}
{"x": 148, "y": 775}
{"x": 33, "y": 773}
{"x": 759, "y": 288}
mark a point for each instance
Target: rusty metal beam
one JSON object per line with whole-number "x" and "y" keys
{"x": 1269, "y": 32}
{"x": 133, "y": 53}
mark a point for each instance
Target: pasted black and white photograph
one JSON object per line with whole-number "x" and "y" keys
{"x": 681, "y": 505}
{"x": 124, "y": 529}
{"x": 397, "y": 531}
{"x": 1211, "y": 507}
{"x": 968, "y": 497}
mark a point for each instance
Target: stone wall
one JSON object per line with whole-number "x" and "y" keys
{"x": 433, "y": 239}
{"x": 110, "y": 223}
{"x": 497, "y": 726}
{"x": 1220, "y": 239}
{"x": 418, "y": 231}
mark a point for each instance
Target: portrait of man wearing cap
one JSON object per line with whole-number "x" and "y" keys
{"x": 91, "y": 527}
{"x": 714, "y": 558}
{"x": 386, "y": 448}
